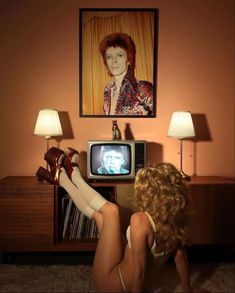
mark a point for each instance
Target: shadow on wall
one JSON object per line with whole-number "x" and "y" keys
{"x": 66, "y": 126}
{"x": 83, "y": 163}
{"x": 202, "y": 134}
{"x": 154, "y": 150}
{"x": 154, "y": 153}
{"x": 202, "y": 131}
{"x": 128, "y": 133}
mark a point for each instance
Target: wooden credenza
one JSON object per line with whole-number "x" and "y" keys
{"x": 30, "y": 213}
{"x": 30, "y": 216}
{"x": 213, "y": 203}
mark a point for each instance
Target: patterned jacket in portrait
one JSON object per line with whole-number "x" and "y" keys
{"x": 135, "y": 97}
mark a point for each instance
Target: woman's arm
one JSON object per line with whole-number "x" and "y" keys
{"x": 181, "y": 262}
{"x": 139, "y": 243}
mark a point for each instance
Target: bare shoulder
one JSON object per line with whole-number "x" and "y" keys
{"x": 141, "y": 231}
{"x": 140, "y": 221}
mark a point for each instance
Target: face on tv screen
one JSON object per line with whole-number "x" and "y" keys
{"x": 110, "y": 159}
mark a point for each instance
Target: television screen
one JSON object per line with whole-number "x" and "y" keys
{"x": 110, "y": 159}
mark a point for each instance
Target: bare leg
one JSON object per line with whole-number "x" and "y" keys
{"x": 110, "y": 249}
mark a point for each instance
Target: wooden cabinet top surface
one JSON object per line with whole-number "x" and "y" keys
{"x": 14, "y": 183}
{"x": 210, "y": 180}
{"x": 202, "y": 180}
{"x": 26, "y": 184}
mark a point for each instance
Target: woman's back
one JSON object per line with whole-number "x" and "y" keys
{"x": 142, "y": 238}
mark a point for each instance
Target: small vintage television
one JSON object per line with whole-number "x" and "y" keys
{"x": 115, "y": 159}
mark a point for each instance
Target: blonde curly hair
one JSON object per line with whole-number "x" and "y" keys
{"x": 162, "y": 192}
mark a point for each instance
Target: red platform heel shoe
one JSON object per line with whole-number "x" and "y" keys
{"x": 70, "y": 160}
{"x": 44, "y": 174}
{"x": 50, "y": 177}
{"x": 54, "y": 157}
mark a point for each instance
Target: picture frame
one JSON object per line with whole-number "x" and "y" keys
{"x": 99, "y": 94}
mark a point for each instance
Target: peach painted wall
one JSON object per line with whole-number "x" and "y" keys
{"x": 39, "y": 69}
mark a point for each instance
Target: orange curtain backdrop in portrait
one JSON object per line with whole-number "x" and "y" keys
{"x": 95, "y": 26}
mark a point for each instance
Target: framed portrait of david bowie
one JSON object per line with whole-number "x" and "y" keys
{"x": 118, "y": 62}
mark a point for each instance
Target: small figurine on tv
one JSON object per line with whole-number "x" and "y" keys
{"x": 116, "y": 133}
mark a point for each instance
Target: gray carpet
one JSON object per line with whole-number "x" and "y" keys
{"x": 77, "y": 278}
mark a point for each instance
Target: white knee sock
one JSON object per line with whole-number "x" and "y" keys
{"x": 93, "y": 198}
{"x": 75, "y": 194}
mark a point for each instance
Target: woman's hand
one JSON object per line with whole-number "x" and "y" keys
{"x": 181, "y": 262}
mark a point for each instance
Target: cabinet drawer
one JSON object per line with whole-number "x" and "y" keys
{"x": 26, "y": 216}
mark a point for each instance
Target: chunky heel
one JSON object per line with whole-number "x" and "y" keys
{"x": 54, "y": 157}
{"x": 52, "y": 178}
{"x": 44, "y": 174}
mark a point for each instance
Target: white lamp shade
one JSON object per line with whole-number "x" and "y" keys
{"x": 48, "y": 123}
{"x": 181, "y": 125}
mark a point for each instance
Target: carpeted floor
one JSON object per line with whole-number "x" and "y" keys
{"x": 77, "y": 278}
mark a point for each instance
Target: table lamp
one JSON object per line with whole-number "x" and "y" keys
{"x": 181, "y": 126}
{"x": 48, "y": 125}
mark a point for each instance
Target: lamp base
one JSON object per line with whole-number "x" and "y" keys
{"x": 185, "y": 176}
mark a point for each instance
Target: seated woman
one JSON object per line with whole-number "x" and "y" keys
{"x": 156, "y": 231}
{"x": 124, "y": 94}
